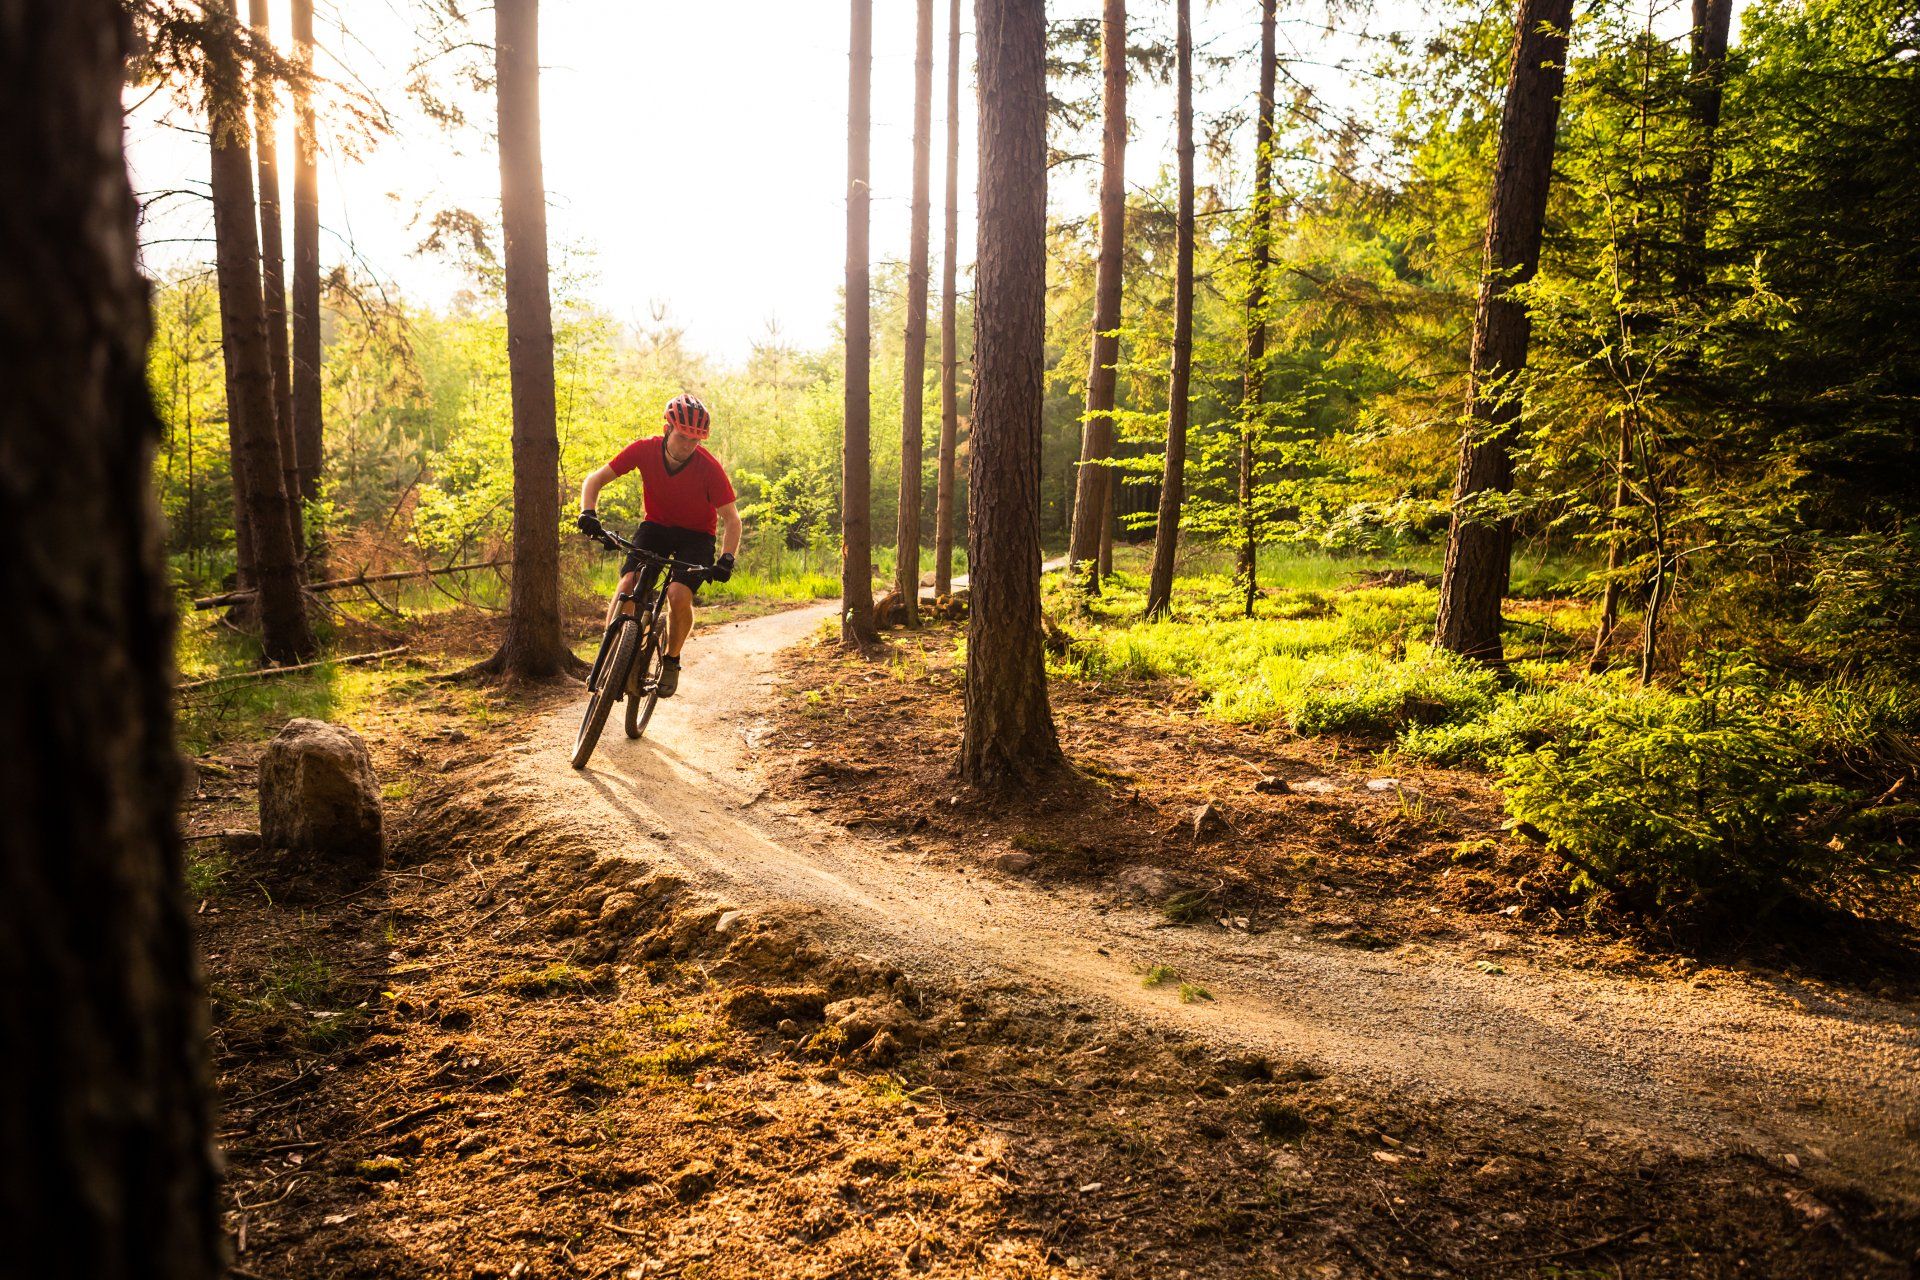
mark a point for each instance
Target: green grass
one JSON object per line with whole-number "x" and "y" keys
{"x": 207, "y": 869}
{"x": 1316, "y": 660}
{"x": 1721, "y": 780}
{"x": 1159, "y": 975}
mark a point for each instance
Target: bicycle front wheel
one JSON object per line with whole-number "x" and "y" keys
{"x": 647, "y": 680}
{"x": 613, "y": 683}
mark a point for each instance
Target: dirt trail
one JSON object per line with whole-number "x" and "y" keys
{"x": 1768, "y": 1065}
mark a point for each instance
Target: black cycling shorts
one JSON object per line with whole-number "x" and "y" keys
{"x": 682, "y": 544}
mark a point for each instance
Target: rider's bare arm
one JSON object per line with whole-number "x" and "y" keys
{"x": 596, "y": 481}
{"x": 729, "y": 526}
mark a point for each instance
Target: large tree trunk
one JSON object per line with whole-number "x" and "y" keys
{"x": 1093, "y": 499}
{"x": 107, "y": 1167}
{"x": 906, "y": 572}
{"x": 856, "y": 461}
{"x": 273, "y": 271}
{"x": 308, "y": 431}
{"x": 533, "y": 648}
{"x": 1253, "y": 393}
{"x": 1008, "y": 735}
{"x": 258, "y": 474}
{"x": 1473, "y": 581}
{"x": 1166, "y": 530}
{"x": 949, "y": 324}
{"x": 1109, "y": 495}
{"x": 1712, "y": 20}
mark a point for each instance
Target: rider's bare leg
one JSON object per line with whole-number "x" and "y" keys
{"x": 679, "y": 616}
{"x": 627, "y": 583}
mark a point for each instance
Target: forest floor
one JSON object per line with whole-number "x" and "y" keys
{"x": 765, "y": 994}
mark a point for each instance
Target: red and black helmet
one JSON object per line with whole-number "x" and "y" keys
{"x": 690, "y": 416}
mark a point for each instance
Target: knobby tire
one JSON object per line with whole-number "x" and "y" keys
{"x": 613, "y": 683}
{"x": 652, "y": 655}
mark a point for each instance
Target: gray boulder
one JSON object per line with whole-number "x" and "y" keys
{"x": 318, "y": 795}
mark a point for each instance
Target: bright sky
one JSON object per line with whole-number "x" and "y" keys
{"x": 695, "y": 153}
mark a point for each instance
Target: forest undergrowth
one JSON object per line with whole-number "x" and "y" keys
{"x": 524, "y": 1052}
{"x": 1729, "y": 791}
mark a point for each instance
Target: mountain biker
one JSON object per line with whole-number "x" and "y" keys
{"x": 687, "y": 498}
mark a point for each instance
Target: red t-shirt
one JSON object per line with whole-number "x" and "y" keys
{"x": 689, "y": 498}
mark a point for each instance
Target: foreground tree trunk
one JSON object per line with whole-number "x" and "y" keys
{"x": 258, "y": 474}
{"x": 1253, "y": 394}
{"x": 1166, "y": 529}
{"x": 1093, "y": 496}
{"x": 304, "y": 367}
{"x": 107, "y": 1167}
{"x": 1712, "y": 21}
{"x": 856, "y": 462}
{"x": 949, "y": 325}
{"x": 533, "y": 648}
{"x": 906, "y": 572}
{"x": 273, "y": 273}
{"x": 1008, "y": 734}
{"x": 1473, "y": 581}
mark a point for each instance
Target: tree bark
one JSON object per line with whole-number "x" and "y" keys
{"x": 1008, "y": 736}
{"x": 1473, "y": 581}
{"x": 1093, "y": 501}
{"x": 1109, "y": 495}
{"x": 949, "y": 325}
{"x": 1166, "y": 530}
{"x": 533, "y": 648}
{"x": 304, "y": 369}
{"x": 259, "y": 476}
{"x": 107, "y": 1167}
{"x": 1712, "y": 21}
{"x": 856, "y": 461}
{"x": 906, "y": 572}
{"x": 273, "y": 273}
{"x": 1253, "y": 388}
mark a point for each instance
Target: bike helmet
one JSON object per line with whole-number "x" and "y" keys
{"x": 688, "y": 414}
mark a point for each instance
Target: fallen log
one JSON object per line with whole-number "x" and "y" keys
{"x": 263, "y": 672}
{"x": 347, "y": 584}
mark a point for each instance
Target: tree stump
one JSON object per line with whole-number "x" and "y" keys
{"x": 318, "y": 796}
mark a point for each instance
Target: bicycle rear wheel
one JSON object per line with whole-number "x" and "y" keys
{"x": 613, "y": 683}
{"x": 652, "y": 656}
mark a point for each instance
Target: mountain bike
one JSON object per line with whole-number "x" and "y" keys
{"x": 633, "y": 649}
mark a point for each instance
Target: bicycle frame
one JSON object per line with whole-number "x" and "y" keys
{"x": 648, "y": 598}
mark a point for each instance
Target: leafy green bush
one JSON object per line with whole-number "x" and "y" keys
{"x": 1520, "y": 719}
{"x": 1729, "y": 793}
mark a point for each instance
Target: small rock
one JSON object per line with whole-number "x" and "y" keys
{"x": 456, "y": 735}
{"x": 1272, "y": 785}
{"x": 1209, "y": 822}
{"x": 1014, "y": 863}
{"x": 318, "y": 795}
{"x": 727, "y": 920}
{"x": 240, "y": 841}
{"x": 1383, "y": 784}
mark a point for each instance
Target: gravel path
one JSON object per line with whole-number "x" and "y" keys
{"x": 1766, "y": 1065}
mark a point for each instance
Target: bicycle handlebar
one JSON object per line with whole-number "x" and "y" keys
{"x": 614, "y": 542}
